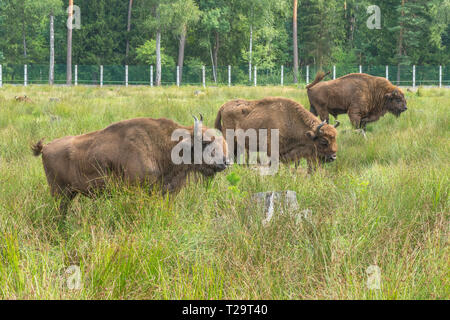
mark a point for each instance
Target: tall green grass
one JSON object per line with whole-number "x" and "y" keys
{"x": 384, "y": 202}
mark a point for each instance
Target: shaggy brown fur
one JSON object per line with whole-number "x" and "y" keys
{"x": 298, "y": 134}
{"x": 363, "y": 97}
{"x": 136, "y": 151}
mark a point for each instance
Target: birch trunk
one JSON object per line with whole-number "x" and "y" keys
{"x": 158, "y": 57}
{"x": 294, "y": 42}
{"x": 215, "y": 54}
{"x": 181, "y": 46}
{"x": 51, "y": 74}
{"x": 69, "y": 45}
{"x": 250, "y": 55}
{"x": 127, "y": 50}
{"x": 400, "y": 45}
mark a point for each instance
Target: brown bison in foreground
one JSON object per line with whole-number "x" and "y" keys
{"x": 301, "y": 134}
{"x": 136, "y": 151}
{"x": 363, "y": 97}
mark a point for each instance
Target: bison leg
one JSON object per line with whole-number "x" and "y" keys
{"x": 174, "y": 183}
{"x": 355, "y": 119}
{"x": 313, "y": 110}
{"x": 65, "y": 198}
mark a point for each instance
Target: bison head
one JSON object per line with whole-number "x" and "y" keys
{"x": 324, "y": 139}
{"x": 395, "y": 102}
{"x": 214, "y": 149}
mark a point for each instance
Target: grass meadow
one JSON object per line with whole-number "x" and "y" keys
{"x": 384, "y": 202}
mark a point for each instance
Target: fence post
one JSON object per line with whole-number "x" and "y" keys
{"x": 360, "y": 68}
{"x": 25, "y": 75}
{"x": 440, "y": 76}
{"x": 307, "y": 74}
{"x": 203, "y": 77}
{"x": 334, "y": 72}
{"x": 178, "y": 76}
{"x": 126, "y": 75}
{"x": 229, "y": 75}
{"x": 101, "y": 76}
{"x": 414, "y": 76}
{"x": 387, "y": 72}
{"x": 76, "y": 74}
{"x": 282, "y": 75}
{"x": 1, "y": 76}
{"x": 151, "y": 76}
{"x": 254, "y": 76}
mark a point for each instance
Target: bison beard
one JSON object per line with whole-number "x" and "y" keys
{"x": 136, "y": 151}
{"x": 301, "y": 134}
{"x": 363, "y": 97}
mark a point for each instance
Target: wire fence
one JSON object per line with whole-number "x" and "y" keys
{"x": 210, "y": 76}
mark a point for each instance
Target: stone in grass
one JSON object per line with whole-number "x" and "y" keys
{"x": 272, "y": 201}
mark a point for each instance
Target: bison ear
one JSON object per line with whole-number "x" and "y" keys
{"x": 310, "y": 134}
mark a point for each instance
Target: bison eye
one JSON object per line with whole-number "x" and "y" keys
{"x": 323, "y": 142}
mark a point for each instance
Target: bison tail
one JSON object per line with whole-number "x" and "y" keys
{"x": 37, "y": 148}
{"x": 319, "y": 77}
{"x": 218, "y": 123}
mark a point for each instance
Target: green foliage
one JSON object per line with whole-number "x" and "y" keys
{"x": 329, "y": 31}
{"x": 146, "y": 54}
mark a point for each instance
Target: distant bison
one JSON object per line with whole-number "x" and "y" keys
{"x": 301, "y": 134}
{"x": 22, "y": 99}
{"x": 137, "y": 151}
{"x": 363, "y": 97}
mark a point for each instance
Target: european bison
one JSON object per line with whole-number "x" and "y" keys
{"x": 136, "y": 151}
{"x": 301, "y": 134}
{"x": 363, "y": 97}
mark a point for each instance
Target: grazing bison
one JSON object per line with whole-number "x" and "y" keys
{"x": 136, "y": 151}
{"x": 363, "y": 97}
{"x": 301, "y": 134}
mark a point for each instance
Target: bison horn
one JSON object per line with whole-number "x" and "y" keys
{"x": 336, "y": 124}
{"x": 319, "y": 127}
{"x": 197, "y": 127}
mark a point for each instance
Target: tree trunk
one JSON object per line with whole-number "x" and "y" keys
{"x": 250, "y": 56}
{"x": 212, "y": 62}
{"x": 181, "y": 52}
{"x": 215, "y": 54}
{"x": 51, "y": 73}
{"x": 294, "y": 41}
{"x": 158, "y": 57}
{"x": 69, "y": 45}
{"x": 400, "y": 45}
{"x": 24, "y": 35}
{"x": 127, "y": 50}
{"x": 24, "y": 43}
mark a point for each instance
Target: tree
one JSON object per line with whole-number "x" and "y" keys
{"x": 294, "y": 41}
{"x": 130, "y": 6}
{"x": 215, "y": 20}
{"x": 182, "y": 15}
{"x": 69, "y": 44}
{"x": 53, "y": 6}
